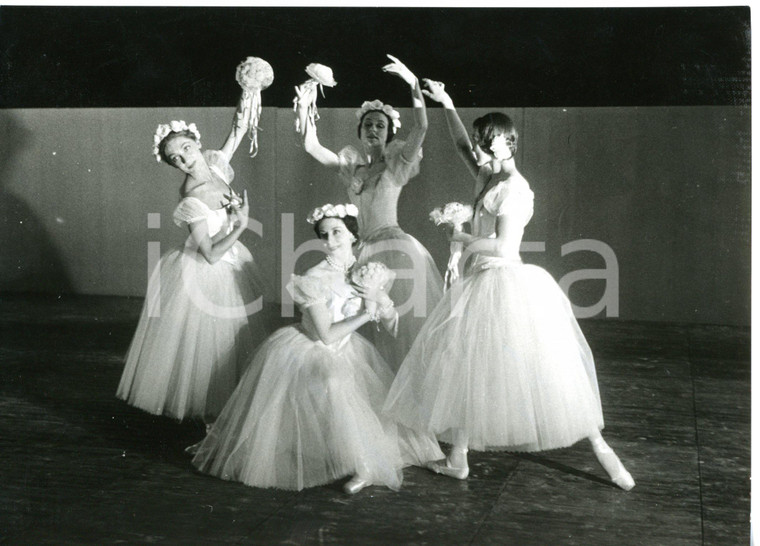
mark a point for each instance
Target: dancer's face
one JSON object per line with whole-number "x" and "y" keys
{"x": 374, "y": 129}
{"x": 183, "y": 153}
{"x": 500, "y": 148}
{"x": 336, "y": 236}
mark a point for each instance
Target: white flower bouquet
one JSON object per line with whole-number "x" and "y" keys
{"x": 305, "y": 102}
{"x": 253, "y": 75}
{"x": 373, "y": 275}
{"x": 454, "y": 214}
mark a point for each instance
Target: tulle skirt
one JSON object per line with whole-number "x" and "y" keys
{"x": 306, "y": 414}
{"x": 197, "y": 331}
{"x": 503, "y": 358}
{"x": 416, "y": 291}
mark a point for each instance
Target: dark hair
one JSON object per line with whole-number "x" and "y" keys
{"x": 168, "y": 138}
{"x": 493, "y": 124}
{"x": 390, "y": 125}
{"x": 351, "y": 223}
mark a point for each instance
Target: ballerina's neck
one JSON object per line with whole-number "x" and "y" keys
{"x": 375, "y": 155}
{"x": 341, "y": 261}
{"x": 503, "y": 165}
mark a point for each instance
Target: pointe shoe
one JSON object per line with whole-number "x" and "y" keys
{"x": 612, "y": 465}
{"x": 356, "y": 484}
{"x": 447, "y": 469}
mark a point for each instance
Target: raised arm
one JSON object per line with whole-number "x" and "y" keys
{"x": 305, "y": 94}
{"x": 238, "y": 129}
{"x": 436, "y": 91}
{"x": 417, "y": 133}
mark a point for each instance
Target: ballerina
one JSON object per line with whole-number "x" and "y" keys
{"x": 374, "y": 178}
{"x": 501, "y": 362}
{"x": 200, "y": 320}
{"x": 306, "y": 412}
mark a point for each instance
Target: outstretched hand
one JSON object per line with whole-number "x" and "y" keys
{"x": 399, "y": 69}
{"x": 435, "y": 90}
{"x": 306, "y": 93}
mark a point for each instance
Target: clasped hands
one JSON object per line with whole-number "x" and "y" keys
{"x": 374, "y": 297}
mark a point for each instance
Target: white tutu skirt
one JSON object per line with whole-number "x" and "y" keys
{"x": 306, "y": 414}
{"x": 416, "y": 291}
{"x": 196, "y": 333}
{"x": 501, "y": 357}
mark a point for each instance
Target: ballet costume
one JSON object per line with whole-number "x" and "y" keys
{"x": 382, "y": 240}
{"x": 199, "y": 323}
{"x": 307, "y": 413}
{"x": 501, "y": 363}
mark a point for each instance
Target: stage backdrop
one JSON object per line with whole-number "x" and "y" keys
{"x": 662, "y": 193}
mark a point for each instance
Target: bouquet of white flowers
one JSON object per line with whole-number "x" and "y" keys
{"x": 376, "y": 275}
{"x": 253, "y": 75}
{"x": 455, "y": 214}
{"x": 373, "y": 275}
{"x": 305, "y": 102}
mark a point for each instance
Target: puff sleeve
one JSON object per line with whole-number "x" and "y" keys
{"x": 189, "y": 210}
{"x": 308, "y": 290}
{"x": 349, "y": 159}
{"x": 218, "y": 163}
{"x": 511, "y": 200}
{"x": 402, "y": 169}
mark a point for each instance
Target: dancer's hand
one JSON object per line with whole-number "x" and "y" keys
{"x": 240, "y": 210}
{"x": 374, "y": 294}
{"x": 454, "y": 233}
{"x": 399, "y": 69}
{"x": 243, "y": 111}
{"x": 306, "y": 94}
{"x": 436, "y": 91}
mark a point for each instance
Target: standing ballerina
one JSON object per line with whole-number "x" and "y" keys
{"x": 374, "y": 178}
{"x": 199, "y": 323}
{"x": 307, "y": 411}
{"x": 501, "y": 362}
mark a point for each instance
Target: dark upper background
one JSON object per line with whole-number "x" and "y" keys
{"x": 69, "y": 57}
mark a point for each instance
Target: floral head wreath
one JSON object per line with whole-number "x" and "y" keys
{"x": 332, "y": 211}
{"x": 387, "y": 109}
{"x": 174, "y": 126}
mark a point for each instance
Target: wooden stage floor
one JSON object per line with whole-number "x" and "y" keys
{"x": 78, "y": 466}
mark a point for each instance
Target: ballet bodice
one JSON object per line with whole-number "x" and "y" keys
{"x": 374, "y": 190}
{"x": 324, "y": 284}
{"x": 192, "y": 209}
{"x": 512, "y": 199}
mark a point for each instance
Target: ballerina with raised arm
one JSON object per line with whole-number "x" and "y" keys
{"x": 501, "y": 363}
{"x": 200, "y": 321}
{"x": 307, "y": 411}
{"x": 374, "y": 177}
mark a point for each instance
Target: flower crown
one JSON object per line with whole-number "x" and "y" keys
{"x": 174, "y": 126}
{"x": 386, "y": 109}
{"x": 332, "y": 211}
